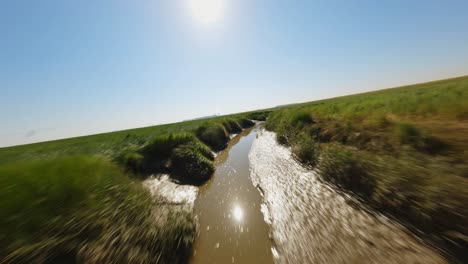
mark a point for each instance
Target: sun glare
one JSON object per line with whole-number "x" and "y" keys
{"x": 207, "y": 11}
{"x": 238, "y": 213}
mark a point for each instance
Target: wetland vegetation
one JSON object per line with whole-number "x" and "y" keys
{"x": 80, "y": 199}
{"x": 402, "y": 150}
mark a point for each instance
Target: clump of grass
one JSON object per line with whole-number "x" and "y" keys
{"x": 184, "y": 155}
{"x": 162, "y": 146}
{"x": 189, "y": 163}
{"x": 306, "y": 150}
{"x": 301, "y": 117}
{"x": 231, "y": 126}
{"x": 345, "y": 168}
{"x": 245, "y": 123}
{"x": 213, "y": 135}
{"x": 84, "y": 209}
{"x": 131, "y": 160}
{"x": 181, "y": 155}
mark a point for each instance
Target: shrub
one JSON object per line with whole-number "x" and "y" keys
{"x": 214, "y": 135}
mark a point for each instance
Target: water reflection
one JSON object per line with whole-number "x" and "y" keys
{"x": 237, "y": 213}
{"x": 232, "y": 227}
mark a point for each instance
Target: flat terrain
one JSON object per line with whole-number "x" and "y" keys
{"x": 81, "y": 199}
{"x": 402, "y": 150}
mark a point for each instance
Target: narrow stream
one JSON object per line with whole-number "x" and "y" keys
{"x": 228, "y": 207}
{"x": 308, "y": 220}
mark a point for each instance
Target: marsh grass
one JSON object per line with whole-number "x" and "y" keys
{"x": 84, "y": 209}
{"x": 191, "y": 164}
{"x": 402, "y": 150}
{"x": 306, "y": 150}
{"x": 231, "y": 126}
{"x": 111, "y": 145}
{"x": 65, "y": 201}
{"x": 245, "y": 123}
{"x": 258, "y": 115}
{"x": 186, "y": 156}
{"x": 213, "y": 135}
{"x": 411, "y": 135}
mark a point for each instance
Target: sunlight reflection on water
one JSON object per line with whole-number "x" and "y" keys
{"x": 238, "y": 213}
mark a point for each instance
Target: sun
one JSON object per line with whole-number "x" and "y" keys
{"x": 207, "y": 11}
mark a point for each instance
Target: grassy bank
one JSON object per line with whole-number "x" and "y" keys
{"x": 73, "y": 200}
{"x": 402, "y": 150}
{"x": 83, "y": 209}
{"x": 187, "y": 156}
{"x": 108, "y": 145}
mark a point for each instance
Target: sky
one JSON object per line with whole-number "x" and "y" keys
{"x": 71, "y": 68}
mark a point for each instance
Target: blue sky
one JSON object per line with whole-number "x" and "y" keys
{"x": 70, "y": 68}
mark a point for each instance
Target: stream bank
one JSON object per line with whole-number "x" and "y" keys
{"x": 312, "y": 222}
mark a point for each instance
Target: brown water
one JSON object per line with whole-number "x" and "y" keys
{"x": 311, "y": 222}
{"x": 232, "y": 226}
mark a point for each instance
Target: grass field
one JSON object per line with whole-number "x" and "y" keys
{"x": 79, "y": 199}
{"x": 403, "y": 150}
{"x": 107, "y": 145}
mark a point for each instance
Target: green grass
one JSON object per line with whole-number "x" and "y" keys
{"x": 72, "y": 200}
{"x": 83, "y": 209}
{"x": 402, "y": 150}
{"x": 214, "y": 135}
{"x": 108, "y": 145}
{"x": 245, "y": 123}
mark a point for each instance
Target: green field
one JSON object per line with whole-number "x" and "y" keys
{"x": 80, "y": 199}
{"x": 402, "y": 150}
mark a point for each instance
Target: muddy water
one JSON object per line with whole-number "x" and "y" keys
{"x": 313, "y": 223}
{"x": 232, "y": 226}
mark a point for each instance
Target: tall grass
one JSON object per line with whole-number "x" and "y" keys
{"x": 83, "y": 209}
{"x": 213, "y": 135}
{"x": 57, "y": 207}
{"x": 402, "y": 150}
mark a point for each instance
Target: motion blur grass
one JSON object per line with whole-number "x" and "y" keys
{"x": 403, "y": 150}
{"x": 84, "y": 209}
{"x": 72, "y": 200}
